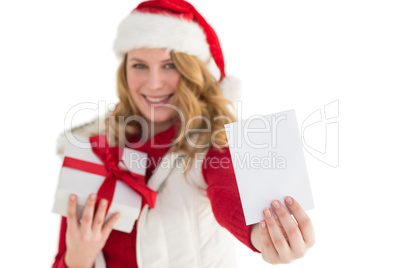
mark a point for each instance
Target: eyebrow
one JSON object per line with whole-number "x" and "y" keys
{"x": 135, "y": 59}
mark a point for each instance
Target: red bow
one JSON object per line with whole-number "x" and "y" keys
{"x": 110, "y": 157}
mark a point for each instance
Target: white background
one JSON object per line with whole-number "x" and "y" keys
{"x": 289, "y": 54}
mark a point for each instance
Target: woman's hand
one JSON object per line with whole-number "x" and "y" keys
{"x": 284, "y": 239}
{"x": 86, "y": 238}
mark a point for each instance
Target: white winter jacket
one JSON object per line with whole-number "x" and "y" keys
{"x": 181, "y": 231}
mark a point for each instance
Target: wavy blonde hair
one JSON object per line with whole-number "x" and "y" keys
{"x": 199, "y": 99}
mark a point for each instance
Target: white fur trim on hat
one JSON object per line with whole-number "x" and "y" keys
{"x": 146, "y": 30}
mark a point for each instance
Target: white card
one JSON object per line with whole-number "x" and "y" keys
{"x": 268, "y": 162}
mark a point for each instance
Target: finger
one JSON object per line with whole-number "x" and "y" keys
{"x": 108, "y": 227}
{"x": 88, "y": 213}
{"x": 303, "y": 220}
{"x": 268, "y": 251}
{"x": 280, "y": 226}
{"x": 277, "y": 237}
{"x": 100, "y": 215}
{"x": 292, "y": 231}
{"x": 72, "y": 220}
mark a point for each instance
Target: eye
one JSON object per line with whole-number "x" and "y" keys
{"x": 170, "y": 66}
{"x": 139, "y": 66}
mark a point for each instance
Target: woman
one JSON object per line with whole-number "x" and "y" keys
{"x": 171, "y": 105}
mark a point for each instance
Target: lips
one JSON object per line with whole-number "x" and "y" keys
{"x": 158, "y": 99}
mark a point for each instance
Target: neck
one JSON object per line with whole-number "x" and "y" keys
{"x": 154, "y": 128}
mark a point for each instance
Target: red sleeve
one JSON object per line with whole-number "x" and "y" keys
{"x": 59, "y": 259}
{"x": 224, "y": 196}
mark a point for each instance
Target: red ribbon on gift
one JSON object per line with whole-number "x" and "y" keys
{"x": 110, "y": 158}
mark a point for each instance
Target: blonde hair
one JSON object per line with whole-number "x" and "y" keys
{"x": 199, "y": 99}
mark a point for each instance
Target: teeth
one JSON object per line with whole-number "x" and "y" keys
{"x": 157, "y": 99}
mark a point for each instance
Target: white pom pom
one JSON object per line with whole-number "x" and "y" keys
{"x": 231, "y": 88}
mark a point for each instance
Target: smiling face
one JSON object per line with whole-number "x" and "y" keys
{"x": 152, "y": 81}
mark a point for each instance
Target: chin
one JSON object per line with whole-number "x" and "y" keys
{"x": 160, "y": 119}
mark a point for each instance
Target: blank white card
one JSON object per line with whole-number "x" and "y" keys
{"x": 268, "y": 162}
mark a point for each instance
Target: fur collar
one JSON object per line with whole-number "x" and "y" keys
{"x": 94, "y": 127}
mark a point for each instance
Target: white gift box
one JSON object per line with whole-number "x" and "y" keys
{"x": 126, "y": 201}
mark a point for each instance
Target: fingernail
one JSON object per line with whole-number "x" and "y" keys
{"x": 262, "y": 224}
{"x": 289, "y": 200}
{"x": 72, "y": 197}
{"x": 267, "y": 213}
{"x": 92, "y": 197}
{"x": 103, "y": 202}
{"x": 276, "y": 204}
{"x": 117, "y": 216}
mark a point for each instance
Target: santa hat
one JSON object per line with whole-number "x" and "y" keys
{"x": 177, "y": 26}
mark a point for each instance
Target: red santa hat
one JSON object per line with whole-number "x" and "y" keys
{"x": 177, "y": 26}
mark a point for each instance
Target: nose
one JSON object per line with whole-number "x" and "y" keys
{"x": 155, "y": 79}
